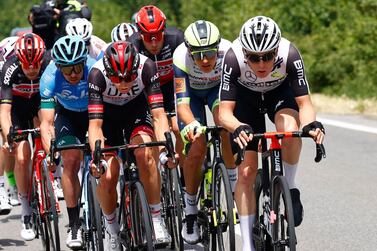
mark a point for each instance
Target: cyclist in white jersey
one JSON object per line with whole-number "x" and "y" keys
{"x": 84, "y": 28}
{"x": 263, "y": 71}
{"x": 197, "y": 72}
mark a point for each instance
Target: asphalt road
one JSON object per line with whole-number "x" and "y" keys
{"x": 338, "y": 194}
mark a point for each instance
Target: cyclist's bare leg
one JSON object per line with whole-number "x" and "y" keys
{"x": 146, "y": 159}
{"x": 288, "y": 120}
{"x": 106, "y": 189}
{"x": 193, "y": 164}
{"x": 245, "y": 197}
{"x": 21, "y": 170}
{"x": 70, "y": 180}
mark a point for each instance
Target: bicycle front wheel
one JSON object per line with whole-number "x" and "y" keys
{"x": 176, "y": 200}
{"x": 223, "y": 216}
{"x": 51, "y": 215}
{"x": 283, "y": 228}
{"x": 36, "y": 212}
{"x": 142, "y": 227}
{"x": 96, "y": 227}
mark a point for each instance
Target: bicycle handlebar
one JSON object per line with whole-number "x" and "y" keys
{"x": 320, "y": 149}
{"x": 13, "y": 133}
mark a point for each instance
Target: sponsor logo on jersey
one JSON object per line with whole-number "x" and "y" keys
{"x": 157, "y": 98}
{"x": 249, "y": 75}
{"x": 300, "y": 72}
{"x": 277, "y": 74}
{"x": 9, "y": 72}
{"x": 95, "y": 108}
{"x": 94, "y": 87}
{"x": 180, "y": 85}
{"x": 226, "y": 77}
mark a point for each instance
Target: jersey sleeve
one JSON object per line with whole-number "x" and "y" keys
{"x": 8, "y": 74}
{"x": 47, "y": 87}
{"x": 151, "y": 81}
{"x": 181, "y": 84}
{"x": 229, "y": 76}
{"x": 296, "y": 72}
{"x": 97, "y": 85}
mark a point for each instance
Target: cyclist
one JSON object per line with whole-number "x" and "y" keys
{"x": 7, "y": 201}
{"x": 66, "y": 80}
{"x": 122, "y": 31}
{"x": 263, "y": 71}
{"x": 19, "y": 107}
{"x": 158, "y": 43}
{"x": 197, "y": 72}
{"x": 117, "y": 102}
{"x": 84, "y": 28}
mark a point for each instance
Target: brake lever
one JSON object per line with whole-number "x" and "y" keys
{"x": 320, "y": 152}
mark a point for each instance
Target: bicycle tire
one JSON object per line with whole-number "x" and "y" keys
{"x": 224, "y": 219}
{"x": 283, "y": 228}
{"x": 36, "y": 215}
{"x": 176, "y": 208}
{"x": 51, "y": 215}
{"x": 261, "y": 238}
{"x": 96, "y": 228}
{"x": 142, "y": 228}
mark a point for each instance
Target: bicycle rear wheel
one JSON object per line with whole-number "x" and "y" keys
{"x": 51, "y": 219}
{"x": 224, "y": 214}
{"x": 142, "y": 228}
{"x": 96, "y": 228}
{"x": 283, "y": 228}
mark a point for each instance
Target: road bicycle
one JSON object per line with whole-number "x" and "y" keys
{"x": 136, "y": 229}
{"x": 274, "y": 227}
{"x": 92, "y": 215}
{"x": 216, "y": 215}
{"x": 42, "y": 198}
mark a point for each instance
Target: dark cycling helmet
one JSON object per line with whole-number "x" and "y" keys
{"x": 122, "y": 32}
{"x": 30, "y": 49}
{"x": 202, "y": 35}
{"x": 69, "y": 50}
{"x": 260, "y": 34}
{"x": 121, "y": 60}
{"x": 150, "y": 19}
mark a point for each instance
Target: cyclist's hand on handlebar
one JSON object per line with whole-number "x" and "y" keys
{"x": 316, "y": 130}
{"x": 189, "y": 132}
{"x": 242, "y": 135}
{"x": 6, "y": 147}
{"x": 168, "y": 161}
{"x": 95, "y": 171}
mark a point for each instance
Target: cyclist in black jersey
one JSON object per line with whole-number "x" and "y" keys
{"x": 158, "y": 42}
{"x": 19, "y": 108}
{"x": 264, "y": 72}
{"x": 117, "y": 104}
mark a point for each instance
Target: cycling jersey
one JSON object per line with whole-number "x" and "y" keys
{"x": 102, "y": 90}
{"x": 6, "y": 49}
{"x": 15, "y": 83}
{"x": 72, "y": 97}
{"x": 96, "y": 47}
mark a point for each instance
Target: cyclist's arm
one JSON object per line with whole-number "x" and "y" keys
{"x": 155, "y": 99}
{"x": 97, "y": 84}
{"x": 5, "y": 119}
{"x": 47, "y": 127}
{"x": 181, "y": 82}
{"x": 226, "y": 117}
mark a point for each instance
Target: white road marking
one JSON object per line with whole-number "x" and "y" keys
{"x": 346, "y": 125}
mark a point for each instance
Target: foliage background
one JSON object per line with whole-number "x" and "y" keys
{"x": 337, "y": 38}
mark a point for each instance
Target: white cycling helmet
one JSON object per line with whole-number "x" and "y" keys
{"x": 260, "y": 34}
{"x": 122, "y": 32}
{"x": 7, "y": 46}
{"x": 81, "y": 27}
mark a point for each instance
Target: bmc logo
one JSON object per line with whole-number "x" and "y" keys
{"x": 300, "y": 72}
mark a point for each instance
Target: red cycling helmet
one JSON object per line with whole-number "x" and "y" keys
{"x": 150, "y": 19}
{"x": 30, "y": 49}
{"x": 121, "y": 61}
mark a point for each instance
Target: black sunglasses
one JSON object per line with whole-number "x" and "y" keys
{"x": 255, "y": 58}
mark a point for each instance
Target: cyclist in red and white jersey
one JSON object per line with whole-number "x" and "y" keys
{"x": 20, "y": 102}
{"x": 264, "y": 72}
{"x": 158, "y": 42}
{"x": 125, "y": 95}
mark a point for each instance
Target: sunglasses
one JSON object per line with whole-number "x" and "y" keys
{"x": 127, "y": 79}
{"x": 255, "y": 58}
{"x": 31, "y": 66}
{"x": 199, "y": 55}
{"x": 149, "y": 37}
{"x": 67, "y": 70}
